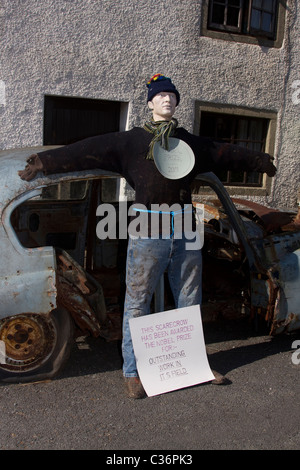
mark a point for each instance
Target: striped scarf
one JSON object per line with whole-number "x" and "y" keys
{"x": 162, "y": 130}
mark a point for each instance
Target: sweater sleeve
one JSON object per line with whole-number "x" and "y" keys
{"x": 215, "y": 156}
{"x": 101, "y": 152}
{"x": 233, "y": 157}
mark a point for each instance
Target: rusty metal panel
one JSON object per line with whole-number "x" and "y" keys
{"x": 81, "y": 296}
{"x": 287, "y": 307}
{"x": 27, "y": 275}
{"x": 31, "y": 292}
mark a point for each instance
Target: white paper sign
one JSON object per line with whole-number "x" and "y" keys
{"x": 170, "y": 350}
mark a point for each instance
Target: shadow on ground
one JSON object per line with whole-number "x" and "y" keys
{"x": 230, "y": 345}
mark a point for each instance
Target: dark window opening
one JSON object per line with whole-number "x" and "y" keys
{"x": 68, "y": 120}
{"x": 247, "y": 17}
{"x": 249, "y": 132}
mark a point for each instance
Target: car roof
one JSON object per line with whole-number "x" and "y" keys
{"x": 14, "y": 160}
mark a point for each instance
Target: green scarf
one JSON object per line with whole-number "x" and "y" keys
{"x": 162, "y": 130}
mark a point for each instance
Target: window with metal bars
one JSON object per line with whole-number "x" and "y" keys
{"x": 248, "y": 17}
{"x": 250, "y": 132}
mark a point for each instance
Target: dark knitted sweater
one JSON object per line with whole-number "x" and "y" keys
{"x": 125, "y": 153}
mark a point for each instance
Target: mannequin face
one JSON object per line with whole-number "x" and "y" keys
{"x": 163, "y": 106}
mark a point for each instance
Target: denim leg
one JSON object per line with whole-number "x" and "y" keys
{"x": 185, "y": 275}
{"x": 147, "y": 259}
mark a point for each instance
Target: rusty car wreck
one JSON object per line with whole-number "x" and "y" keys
{"x": 57, "y": 278}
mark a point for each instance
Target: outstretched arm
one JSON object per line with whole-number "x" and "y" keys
{"x": 234, "y": 157}
{"x": 102, "y": 152}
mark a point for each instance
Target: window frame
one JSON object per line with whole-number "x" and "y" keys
{"x": 242, "y": 112}
{"x": 259, "y": 31}
{"x": 251, "y": 36}
{"x": 225, "y": 27}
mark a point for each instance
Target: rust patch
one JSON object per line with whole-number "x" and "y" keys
{"x": 82, "y": 296}
{"x": 284, "y": 325}
{"x": 271, "y": 219}
{"x": 273, "y": 289}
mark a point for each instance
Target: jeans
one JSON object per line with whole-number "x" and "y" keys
{"x": 147, "y": 260}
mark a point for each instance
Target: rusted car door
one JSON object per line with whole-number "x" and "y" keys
{"x": 58, "y": 218}
{"x": 45, "y": 291}
{"x": 265, "y": 257}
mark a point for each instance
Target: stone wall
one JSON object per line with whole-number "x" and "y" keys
{"x": 108, "y": 49}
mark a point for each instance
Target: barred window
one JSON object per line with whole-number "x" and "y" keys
{"x": 249, "y": 132}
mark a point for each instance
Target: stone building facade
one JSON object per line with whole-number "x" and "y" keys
{"x": 235, "y": 62}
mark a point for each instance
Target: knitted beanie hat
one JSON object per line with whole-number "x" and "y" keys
{"x": 159, "y": 83}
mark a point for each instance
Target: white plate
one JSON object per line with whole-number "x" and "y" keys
{"x": 176, "y": 162}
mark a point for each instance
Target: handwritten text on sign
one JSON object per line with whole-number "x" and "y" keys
{"x": 170, "y": 350}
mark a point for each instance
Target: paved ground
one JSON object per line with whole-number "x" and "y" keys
{"x": 85, "y": 407}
